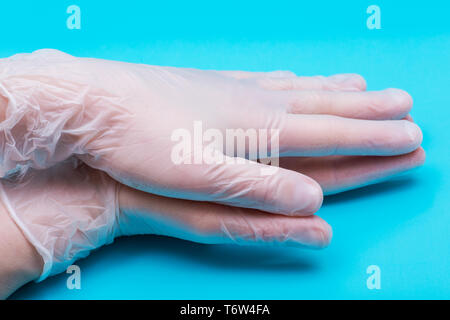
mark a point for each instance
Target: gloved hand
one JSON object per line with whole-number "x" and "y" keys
{"x": 70, "y": 209}
{"x": 120, "y": 117}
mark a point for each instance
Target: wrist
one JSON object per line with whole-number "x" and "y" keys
{"x": 20, "y": 262}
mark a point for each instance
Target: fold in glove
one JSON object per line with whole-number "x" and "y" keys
{"x": 65, "y": 212}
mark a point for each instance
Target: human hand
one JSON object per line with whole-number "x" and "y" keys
{"x": 120, "y": 117}
{"x": 70, "y": 209}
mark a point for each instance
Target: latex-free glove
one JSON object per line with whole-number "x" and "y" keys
{"x": 119, "y": 117}
{"x": 70, "y": 209}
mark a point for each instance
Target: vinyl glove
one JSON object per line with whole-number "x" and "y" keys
{"x": 70, "y": 209}
{"x": 119, "y": 118}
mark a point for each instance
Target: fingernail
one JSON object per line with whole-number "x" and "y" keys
{"x": 309, "y": 198}
{"x": 325, "y": 235}
{"x": 414, "y": 133}
{"x": 317, "y": 235}
{"x": 401, "y": 99}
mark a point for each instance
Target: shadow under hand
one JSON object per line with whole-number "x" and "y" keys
{"x": 219, "y": 256}
{"x": 127, "y": 251}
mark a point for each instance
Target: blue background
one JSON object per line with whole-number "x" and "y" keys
{"x": 403, "y": 226}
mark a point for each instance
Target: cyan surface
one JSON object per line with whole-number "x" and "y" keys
{"x": 403, "y": 226}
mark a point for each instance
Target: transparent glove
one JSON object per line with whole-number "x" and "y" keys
{"x": 120, "y": 117}
{"x": 70, "y": 209}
